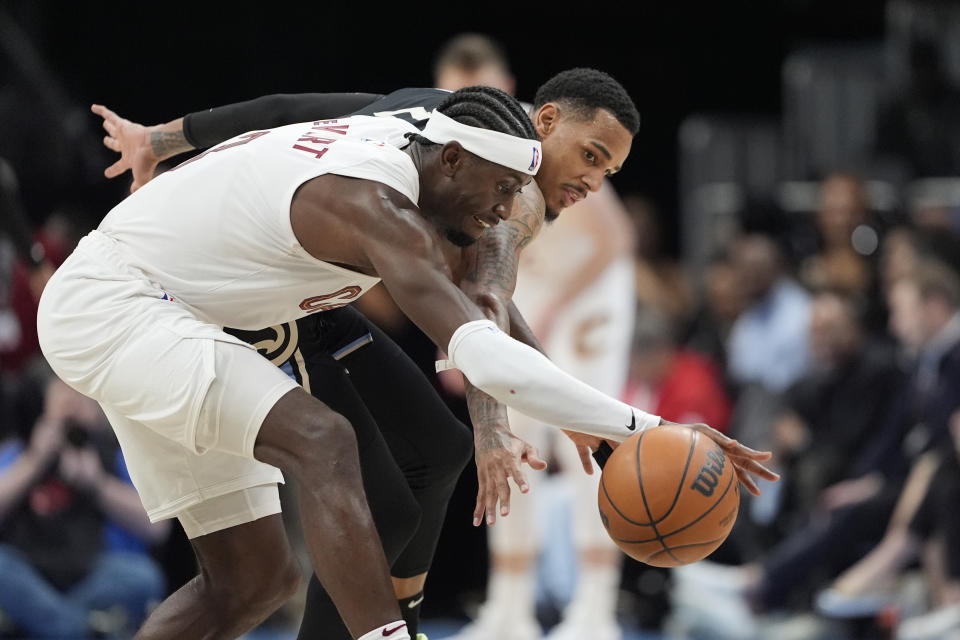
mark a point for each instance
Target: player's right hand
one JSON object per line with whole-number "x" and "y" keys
{"x": 132, "y": 141}
{"x": 500, "y": 456}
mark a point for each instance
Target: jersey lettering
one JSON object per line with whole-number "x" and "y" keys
{"x": 320, "y": 125}
{"x": 331, "y": 126}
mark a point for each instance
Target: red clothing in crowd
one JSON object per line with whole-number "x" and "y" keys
{"x": 691, "y": 391}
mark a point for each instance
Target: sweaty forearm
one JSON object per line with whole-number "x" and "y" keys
{"x": 524, "y": 379}
{"x": 204, "y": 129}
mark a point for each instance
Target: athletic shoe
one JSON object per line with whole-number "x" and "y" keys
{"x": 931, "y": 626}
{"x": 834, "y": 604}
{"x": 580, "y": 629}
{"x": 493, "y": 623}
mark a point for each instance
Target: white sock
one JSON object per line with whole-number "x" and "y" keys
{"x": 396, "y": 630}
{"x": 511, "y": 591}
{"x": 596, "y": 592}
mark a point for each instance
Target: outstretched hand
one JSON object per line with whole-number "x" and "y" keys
{"x": 132, "y": 141}
{"x": 500, "y": 455}
{"x": 587, "y": 445}
{"x": 746, "y": 461}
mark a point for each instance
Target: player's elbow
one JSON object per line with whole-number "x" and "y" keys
{"x": 493, "y": 308}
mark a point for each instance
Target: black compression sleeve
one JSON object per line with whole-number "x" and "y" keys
{"x": 205, "y": 129}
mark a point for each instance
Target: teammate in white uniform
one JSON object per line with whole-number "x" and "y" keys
{"x": 581, "y": 308}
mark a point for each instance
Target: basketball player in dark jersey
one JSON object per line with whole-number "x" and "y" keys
{"x": 412, "y": 448}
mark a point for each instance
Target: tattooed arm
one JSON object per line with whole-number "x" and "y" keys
{"x": 143, "y": 148}
{"x": 489, "y": 279}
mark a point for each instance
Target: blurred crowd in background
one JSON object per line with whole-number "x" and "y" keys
{"x": 813, "y": 309}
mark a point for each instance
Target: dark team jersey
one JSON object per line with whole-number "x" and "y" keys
{"x": 413, "y": 105}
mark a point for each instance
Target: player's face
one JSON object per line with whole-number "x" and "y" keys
{"x": 577, "y": 154}
{"x": 479, "y": 196}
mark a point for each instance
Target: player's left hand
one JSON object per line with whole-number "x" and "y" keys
{"x": 500, "y": 455}
{"x": 746, "y": 461}
{"x": 132, "y": 141}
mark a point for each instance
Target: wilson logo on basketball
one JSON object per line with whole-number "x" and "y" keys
{"x": 709, "y": 475}
{"x": 331, "y": 300}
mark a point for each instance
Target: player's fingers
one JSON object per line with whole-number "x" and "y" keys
{"x": 747, "y": 481}
{"x": 478, "y": 509}
{"x": 490, "y": 501}
{"x": 115, "y": 169}
{"x": 516, "y": 472}
{"x": 102, "y": 111}
{"x": 585, "y": 459}
{"x": 111, "y": 143}
{"x": 503, "y": 495}
{"x": 758, "y": 469}
{"x": 532, "y": 457}
{"x": 481, "y": 495}
{"x": 111, "y": 126}
{"x": 747, "y": 452}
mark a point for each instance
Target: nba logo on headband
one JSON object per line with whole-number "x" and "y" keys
{"x": 504, "y": 149}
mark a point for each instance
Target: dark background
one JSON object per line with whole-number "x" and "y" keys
{"x": 152, "y": 62}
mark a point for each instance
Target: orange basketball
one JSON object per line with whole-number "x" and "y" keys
{"x": 668, "y": 496}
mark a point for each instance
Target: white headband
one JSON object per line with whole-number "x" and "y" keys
{"x": 515, "y": 153}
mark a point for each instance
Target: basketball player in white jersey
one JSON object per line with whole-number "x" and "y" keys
{"x": 266, "y": 228}
{"x": 558, "y": 196}
{"x": 581, "y": 308}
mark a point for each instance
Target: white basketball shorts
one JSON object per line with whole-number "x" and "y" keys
{"x": 185, "y": 399}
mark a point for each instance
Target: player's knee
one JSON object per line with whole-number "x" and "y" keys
{"x": 401, "y": 515}
{"x": 258, "y": 594}
{"x": 323, "y": 437}
{"x": 456, "y": 451}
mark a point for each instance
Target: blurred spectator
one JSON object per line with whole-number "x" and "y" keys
{"x": 899, "y": 256}
{"x": 676, "y": 383}
{"x": 919, "y": 126}
{"x": 471, "y": 59}
{"x": 822, "y": 427}
{"x": 924, "y": 313}
{"x": 845, "y": 238}
{"x": 925, "y": 523}
{"x": 768, "y": 341}
{"x": 37, "y": 255}
{"x": 661, "y": 282}
{"x": 723, "y": 302}
{"x": 74, "y": 537}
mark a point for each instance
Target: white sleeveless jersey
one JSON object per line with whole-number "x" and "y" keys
{"x": 214, "y": 233}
